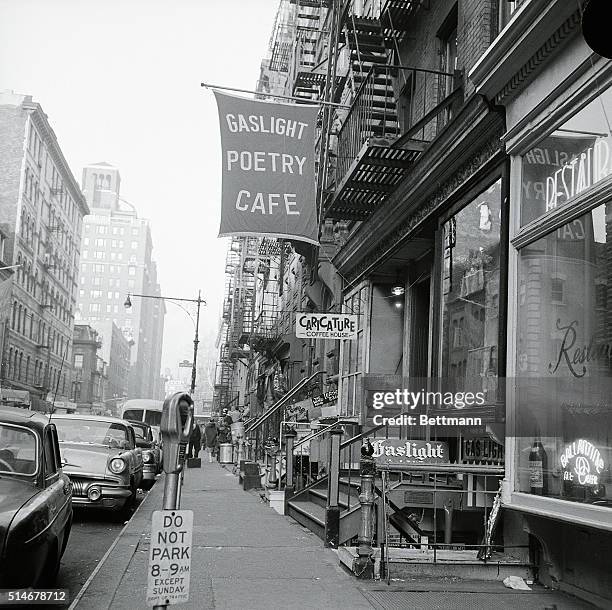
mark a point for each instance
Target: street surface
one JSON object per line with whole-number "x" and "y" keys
{"x": 92, "y": 534}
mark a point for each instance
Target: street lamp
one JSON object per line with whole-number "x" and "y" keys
{"x": 199, "y": 301}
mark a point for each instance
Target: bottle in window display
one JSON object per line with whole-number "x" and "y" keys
{"x": 538, "y": 465}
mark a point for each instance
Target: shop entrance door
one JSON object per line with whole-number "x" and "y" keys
{"x": 420, "y": 325}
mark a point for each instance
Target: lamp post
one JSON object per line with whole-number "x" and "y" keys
{"x": 199, "y": 301}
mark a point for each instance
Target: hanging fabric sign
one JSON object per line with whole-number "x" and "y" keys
{"x": 268, "y": 168}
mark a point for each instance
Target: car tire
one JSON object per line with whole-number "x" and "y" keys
{"x": 146, "y": 485}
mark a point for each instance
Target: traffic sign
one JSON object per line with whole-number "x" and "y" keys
{"x": 169, "y": 557}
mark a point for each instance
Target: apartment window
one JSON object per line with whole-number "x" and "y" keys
{"x": 78, "y": 361}
{"x": 135, "y": 231}
{"x": 134, "y": 245}
{"x": 95, "y": 294}
{"x": 101, "y": 242}
{"x": 102, "y": 230}
{"x": 447, "y": 36}
{"x": 556, "y": 290}
{"x": 132, "y": 271}
{"x": 131, "y": 284}
{"x": 506, "y": 8}
{"x": 109, "y": 295}
{"x": 96, "y": 281}
{"x": 99, "y": 255}
{"x": 99, "y": 268}
{"x": 94, "y": 307}
{"x": 81, "y": 292}
{"x": 86, "y": 241}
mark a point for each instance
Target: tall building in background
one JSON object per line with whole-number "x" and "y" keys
{"x": 117, "y": 260}
{"x": 41, "y": 215}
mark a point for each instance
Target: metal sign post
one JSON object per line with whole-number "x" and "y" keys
{"x": 171, "y": 529}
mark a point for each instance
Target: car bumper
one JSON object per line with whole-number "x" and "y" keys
{"x": 149, "y": 471}
{"x": 111, "y": 496}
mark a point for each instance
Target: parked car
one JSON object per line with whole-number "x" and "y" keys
{"x": 101, "y": 458}
{"x": 151, "y": 453}
{"x": 35, "y": 500}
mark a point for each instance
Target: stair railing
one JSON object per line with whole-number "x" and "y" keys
{"x": 253, "y": 427}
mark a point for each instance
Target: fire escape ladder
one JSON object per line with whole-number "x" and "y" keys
{"x": 372, "y": 156}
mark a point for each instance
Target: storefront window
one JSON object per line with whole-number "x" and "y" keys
{"x": 470, "y": 292}
{"x": 574, "y": 158}
{"x": 564, "y": 361}
{"x": 353, "y": 354}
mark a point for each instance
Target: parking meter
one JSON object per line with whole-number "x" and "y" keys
{"x": 176, "y": 426}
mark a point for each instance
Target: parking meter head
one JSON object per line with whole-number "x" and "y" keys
{"x": 176, "y": 424}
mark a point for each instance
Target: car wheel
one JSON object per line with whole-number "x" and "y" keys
{"x": 146, "y": 485}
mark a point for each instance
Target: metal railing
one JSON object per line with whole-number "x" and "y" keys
{"x": 274, "y": 415}
{"x": 378, "y": 111}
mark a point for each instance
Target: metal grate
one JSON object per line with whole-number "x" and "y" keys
{"x": 459, "y": 600}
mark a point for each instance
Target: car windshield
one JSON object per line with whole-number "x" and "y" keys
{"x": 140, "y": 431}
{"x": 153, "y": 418}
{"x": 92, "y": 432}
{"x": 17, "y": 450}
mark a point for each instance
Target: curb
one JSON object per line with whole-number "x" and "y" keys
{"x": 106, "y": 555}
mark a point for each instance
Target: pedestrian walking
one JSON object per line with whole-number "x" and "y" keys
{"x": 194, "y": 442}
{"x": 210, "y": 439}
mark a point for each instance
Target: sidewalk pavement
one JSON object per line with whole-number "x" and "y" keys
{"x": 247, "y": 556}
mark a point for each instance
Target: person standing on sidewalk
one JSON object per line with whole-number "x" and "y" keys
{"x": 194, "y": 441}
{"x": 210, "y": 438}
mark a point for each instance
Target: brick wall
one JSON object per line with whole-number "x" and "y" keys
{"x": 422, "y": 45}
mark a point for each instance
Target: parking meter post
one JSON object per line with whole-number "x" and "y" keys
{"x": 176, "y": 425}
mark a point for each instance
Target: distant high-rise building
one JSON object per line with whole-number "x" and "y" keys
{"x": 115, "y": 350}
{"x": 117, "y": 261}
{"x": 41, "y": 215}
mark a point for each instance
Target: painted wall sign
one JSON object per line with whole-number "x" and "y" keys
{"x": 391, "y": 451}
{"x": 267, "y": 152}
{"x": 582, "y": 463}
{"x": 326, "y": 325}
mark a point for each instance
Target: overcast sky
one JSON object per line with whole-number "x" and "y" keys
{"x": 120, "y": 82}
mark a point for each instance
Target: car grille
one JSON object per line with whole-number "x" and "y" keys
{"x": 79, "y": 488}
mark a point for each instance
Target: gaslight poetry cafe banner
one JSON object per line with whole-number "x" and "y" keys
{"x": 268, "y": 168}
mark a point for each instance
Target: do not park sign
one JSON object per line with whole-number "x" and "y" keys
{"x": 169, "y": 557}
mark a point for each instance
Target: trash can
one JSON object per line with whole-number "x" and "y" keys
{"x": 225, "y": 453}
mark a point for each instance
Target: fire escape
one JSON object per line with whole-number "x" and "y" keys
{"x": 395, "y": 113}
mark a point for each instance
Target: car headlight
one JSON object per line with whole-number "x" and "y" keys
{"x": 117, "y": 465}
{"x": 147, "y": 457}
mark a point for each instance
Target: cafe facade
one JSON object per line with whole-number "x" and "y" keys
{"x": 557, "y": 96}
